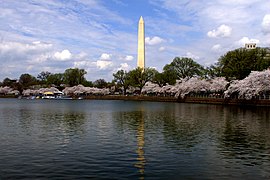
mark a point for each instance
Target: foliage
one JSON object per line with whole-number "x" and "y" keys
{"x": 100, "y": 83}
{"x": 55, "y": 79}
{"x": 212, "y": 71}
{"x": 9, "y": 82}
{"x": 139, "y": 77}
{"x": 159, "y": 79}
{"x": 27, "y": 80}
{"x": 169, "y": 75}
{"x": 74, "y": 76}
{"x": 88, "y": 83}
{"x": 239, "y": 63}
{"x": 122, "y": 79}
{"x": 179, "y": 78}
{"x": 185, "y": 67}
{"x": 43, "y": 76}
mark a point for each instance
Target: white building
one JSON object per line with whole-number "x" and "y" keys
{"x": 250, "y": 45}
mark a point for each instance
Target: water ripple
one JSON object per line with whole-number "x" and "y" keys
{"x": 132, "y": 140}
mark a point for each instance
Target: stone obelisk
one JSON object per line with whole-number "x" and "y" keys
{"x": 141, "y": 45}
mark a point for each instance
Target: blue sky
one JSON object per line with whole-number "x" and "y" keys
{"x": 100, "y": 36}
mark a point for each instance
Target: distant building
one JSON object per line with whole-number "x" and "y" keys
{"x": 250, "y": 45}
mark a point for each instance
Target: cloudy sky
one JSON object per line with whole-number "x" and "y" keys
{"x": 100, "y": 36}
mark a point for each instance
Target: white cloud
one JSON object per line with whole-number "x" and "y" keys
{"x": 161, "y": 49}
{"x": 245, "y": 40}
{"x": 216, "y": 47}
{"x": 153, "y": 41}
{"x": 104, "y": 61}
{"x": 24, "y": 53}
{"x": 124, "y": 66}
{"x": 40, "y": 58}
{"x": 192, "y": 56}
{"x": 129, "y": 58}
{"x": 30, "y": 67}
{"x": 36, "y": 42}
{"x": 27, "y": 48}
{"x": 63, "y": 56}
{"x": 105, "y": 56}
{"x": 266, "y": 23}
{"x": 81, "y": 55}
{"x": 221, "y": 31}
{"x": 80, "y": 64}
{"x": 103, "y": 65}
{"x": 83, "y": 64}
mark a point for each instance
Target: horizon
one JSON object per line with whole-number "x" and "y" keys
{"x": 101, "y": 36}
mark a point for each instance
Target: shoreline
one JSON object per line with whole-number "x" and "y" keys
{"x": 194, "y": 100}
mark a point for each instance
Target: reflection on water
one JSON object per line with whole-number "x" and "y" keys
{"x": 244, "y": 138}
{"x": 132, "y": 140}
{"x": 140, "y": 143}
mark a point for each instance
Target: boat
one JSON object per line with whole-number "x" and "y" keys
{"x": 55, "y": 95}
{"x": 48, "y": 95}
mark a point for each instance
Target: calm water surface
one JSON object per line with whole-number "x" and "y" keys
{"x": 49, "y": 139}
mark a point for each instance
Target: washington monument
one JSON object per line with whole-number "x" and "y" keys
{"x": 141, "y": 45}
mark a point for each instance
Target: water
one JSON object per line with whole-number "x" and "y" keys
{"x": 50, "y": 139}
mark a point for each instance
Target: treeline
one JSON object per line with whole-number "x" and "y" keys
{"x": 234, "y": 65}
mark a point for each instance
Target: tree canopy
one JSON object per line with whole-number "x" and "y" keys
{"x": 185, "y": 67}
{"x": 74, "y": 76}
{"x": 122, "y": 79}
{"x": 239, "y": 63}
{"x": 43, "y": 76}
{"x": 27, "y": 80}
{"x": 139, "y": 77}
{"x": 55, "y": 79}
{"x": 100, "y": 83}
{"x": 234, "y": 65}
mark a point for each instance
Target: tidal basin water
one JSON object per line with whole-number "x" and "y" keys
{"x": 84, "y": 139}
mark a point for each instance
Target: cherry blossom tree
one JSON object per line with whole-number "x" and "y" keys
{"x": 253, "y": 85}
{"x": 5, "y": 90}
{"x": 80, "y": 90}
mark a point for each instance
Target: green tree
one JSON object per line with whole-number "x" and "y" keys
{"x": 88, "y": 83}
{"x": 8, "y": 82}
{"x": 169, "y": 74}
{"x": 74, "y": 76}
{"x": 212, "y": 71}
{"x": 13, "y": 83}
{"x": 43, "y": 76}
{"x": 27, "y": 80}
{"x": 122, "y": 79}
{"x": 185, "y": 67}
{"x": 139, "y": 77}
{"x": 100, "y": 83}
{"x": 55, "y": 79}
{"x": 159, "y": 79}
{"x": 238, "y": 64}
